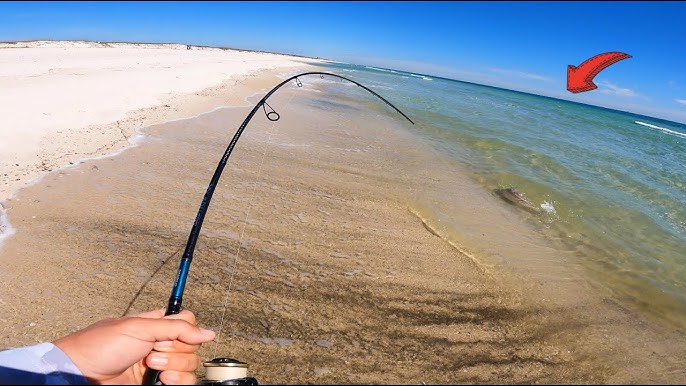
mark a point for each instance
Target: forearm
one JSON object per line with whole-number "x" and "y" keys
{"x": 41, "y": 364}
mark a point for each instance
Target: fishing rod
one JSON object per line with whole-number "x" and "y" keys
{"x": 151, "y": 377}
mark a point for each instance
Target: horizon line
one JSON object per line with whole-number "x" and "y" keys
{"x": 355, "y": 64}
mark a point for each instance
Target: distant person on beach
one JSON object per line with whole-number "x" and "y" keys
{"x": 113, "y": 351}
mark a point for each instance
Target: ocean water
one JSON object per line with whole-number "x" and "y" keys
{"x": 609, "y": 186}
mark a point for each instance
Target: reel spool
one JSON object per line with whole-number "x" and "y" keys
{"x": 226, "y": 371}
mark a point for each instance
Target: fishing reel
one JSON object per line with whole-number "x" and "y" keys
{"x": 218, "y": 371}
{"x": 226, "y": 371}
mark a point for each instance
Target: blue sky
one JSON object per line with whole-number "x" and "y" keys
{"x": 524, "y": 46}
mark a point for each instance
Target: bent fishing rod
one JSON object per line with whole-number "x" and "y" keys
{"x": 175, "y": 299}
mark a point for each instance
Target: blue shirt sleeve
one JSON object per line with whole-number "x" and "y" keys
{"x": 42, "y": 364}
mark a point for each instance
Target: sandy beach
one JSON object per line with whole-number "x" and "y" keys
{"x": 313, "y": 269}
{"x": 64, "y": 101}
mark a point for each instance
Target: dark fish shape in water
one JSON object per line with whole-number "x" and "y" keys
{"x": 511, "y": 196}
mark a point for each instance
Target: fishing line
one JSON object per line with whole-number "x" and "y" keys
{"x": 176, "y": 297}
{"x": 245, "y": 221}
{"x": 318, "y": 156}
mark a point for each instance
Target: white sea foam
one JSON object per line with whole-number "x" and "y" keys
{"x": 381, "y": 69}
{"x": 6, "y": 229}
{"x": 548, "y": 207}
{"x": 662, "y": 129}
{"x": 421, "y": 76}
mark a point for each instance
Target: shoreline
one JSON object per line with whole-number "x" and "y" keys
{"x": 327, "y": 245}
{"x": 334, "y": 271}
{"x": 61, "y": 146}
{"x": 112, "y": 120}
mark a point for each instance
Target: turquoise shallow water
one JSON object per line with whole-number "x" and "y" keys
{"x": 610, "y": 185}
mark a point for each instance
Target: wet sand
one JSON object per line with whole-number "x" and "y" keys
{"x": 337, "y": 278}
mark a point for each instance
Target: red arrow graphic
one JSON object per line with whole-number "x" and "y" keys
{"x": 580, "y": 79}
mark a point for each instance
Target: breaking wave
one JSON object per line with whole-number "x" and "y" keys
{"x": 662, "y": 129}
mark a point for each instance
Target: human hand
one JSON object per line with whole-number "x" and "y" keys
{"x": 118, "y": 351}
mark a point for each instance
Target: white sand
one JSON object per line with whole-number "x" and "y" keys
{"x": 65, "y": 101}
